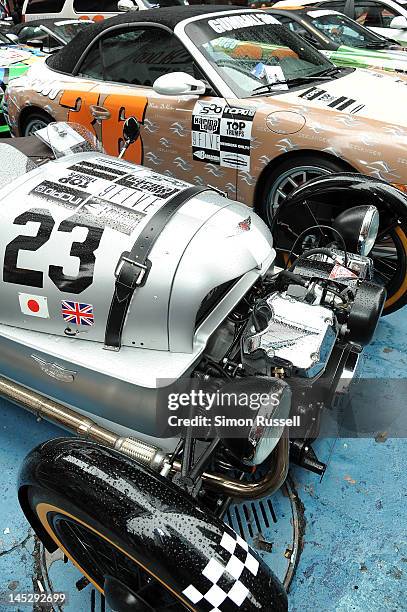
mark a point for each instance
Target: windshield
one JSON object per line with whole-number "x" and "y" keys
{"x": 249, "y": 50}
{"x": 344, "y": 31}
{"x": 68, "y": 30}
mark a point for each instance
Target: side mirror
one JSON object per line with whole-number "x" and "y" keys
{"x": 131, "y": 130}
{"x": 123, "y": 6}
{"x": 399, "y": 23}
{"x": 35, "y": 43}
{"x": 178, "y": 84}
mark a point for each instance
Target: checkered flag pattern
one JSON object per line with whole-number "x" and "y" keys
{"x": 220, "y": 596}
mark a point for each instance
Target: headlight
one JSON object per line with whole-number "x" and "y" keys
{"x": 262, "y": 416}
{"x": 359, "y": 227}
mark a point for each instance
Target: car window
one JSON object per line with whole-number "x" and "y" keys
{"x": 136, "y": 57}
{"x": 253, "y": 52}
{"x": 344, "y": 31}
{"x": 27, "y": 33}
{"x": 44, "y": 6}
{"x": 36, "y": 33}
{"x": 374, "y": 14}
{"x": 298, "y": 28}
{"x": 95, "y": 6}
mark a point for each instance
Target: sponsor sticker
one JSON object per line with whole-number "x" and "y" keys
{"x": 221, "y": 134}
{"x": 236, "y": 22}
{"x": 33, "y": 305}
{"x": 340, "y": 103}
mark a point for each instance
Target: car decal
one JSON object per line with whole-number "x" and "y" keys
{"x": 339, "y": 103}
{"x": 120, "y": 107}
{"x": 221, "y": 134}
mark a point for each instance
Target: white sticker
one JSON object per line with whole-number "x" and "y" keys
{"x": 33, "y": 305}
{"x": 221, "y": 134}
{"x": 236, "y": 22}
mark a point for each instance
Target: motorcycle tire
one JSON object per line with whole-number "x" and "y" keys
{"x": 322, "y": 199}
{"x": 140, "y": 540}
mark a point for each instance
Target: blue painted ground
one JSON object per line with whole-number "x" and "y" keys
{"x": 355, "y": 552}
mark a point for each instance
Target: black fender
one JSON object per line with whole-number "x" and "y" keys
{"x": 159, "y": 524}
{"x": 343, "y": 190}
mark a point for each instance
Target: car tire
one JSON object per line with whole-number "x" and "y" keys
{"x": 35, "y": 121}
{"x": 288, "y": 175}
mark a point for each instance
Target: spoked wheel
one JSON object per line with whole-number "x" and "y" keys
{"x": 36, "y": 121}
{"x": 125, "y": 583}
{"x": 290, "y": 180}
{"x": 288, "y": 176}
{"x": 389, "y": 256}
{"x": 322, "y": 200}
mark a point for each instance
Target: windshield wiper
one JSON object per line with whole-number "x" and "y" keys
{"x": 380, "y": 44}
{"x": 321, "y": 76}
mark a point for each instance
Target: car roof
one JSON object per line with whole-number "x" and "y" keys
{"x": 66, "y": 60}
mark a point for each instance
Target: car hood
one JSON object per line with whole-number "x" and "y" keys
{"x": 363, "y": 93}
{"x": 385, "y": 59}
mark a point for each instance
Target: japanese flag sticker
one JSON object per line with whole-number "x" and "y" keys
{"x": 33, "y": 305}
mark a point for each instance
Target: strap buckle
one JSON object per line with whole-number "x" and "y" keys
{"x": 142, "y": 269}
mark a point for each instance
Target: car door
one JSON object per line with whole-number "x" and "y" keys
{"x": 124, "y": 65}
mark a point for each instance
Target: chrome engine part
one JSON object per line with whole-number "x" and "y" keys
{"x": 298, "y": 333}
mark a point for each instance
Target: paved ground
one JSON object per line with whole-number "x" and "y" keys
{"x": 355, "y": 550}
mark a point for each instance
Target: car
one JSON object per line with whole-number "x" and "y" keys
{"x": 14, "y": 61}
{"x": 95, "y": 10}
{"x": 47, "y": 34}
{"x": 343, "y": 40}
{"x": 231, "y": 98}
{"x": 384, "y": 17}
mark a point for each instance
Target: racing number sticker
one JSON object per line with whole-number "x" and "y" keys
{"x": 120, "y": 107}
{"x": 84, "y": 251}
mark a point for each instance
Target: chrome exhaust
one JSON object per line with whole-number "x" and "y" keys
{"x": 49, "y": 410}
{"x": 146, "y": 454}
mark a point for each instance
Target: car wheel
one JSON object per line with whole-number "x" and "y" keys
{"x": 288, "y": 176}
{"x": 34, "y": 122}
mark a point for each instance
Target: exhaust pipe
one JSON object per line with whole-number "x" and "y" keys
{"x": 146, "y": 454}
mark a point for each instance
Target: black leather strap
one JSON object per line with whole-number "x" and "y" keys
{"x": 133, "y": 266}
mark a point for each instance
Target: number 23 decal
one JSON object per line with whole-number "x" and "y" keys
{"x": 84, "y": 251}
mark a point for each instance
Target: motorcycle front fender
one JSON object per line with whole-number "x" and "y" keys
{"x": 344, "y": 190}
{"x": 158, "y": 524}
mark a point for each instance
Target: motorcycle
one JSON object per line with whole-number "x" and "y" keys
{"x": 148, "y": 317}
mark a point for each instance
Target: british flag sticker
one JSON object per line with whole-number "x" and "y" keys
{"x": 77, "y": 313}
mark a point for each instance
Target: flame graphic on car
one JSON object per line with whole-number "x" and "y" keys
{"x": 285, "y": 145}
{"x": 379, "y": 169}
{"x": 394, "y": 130}
{"x": 154, "y": 159}
{"x": 182, "y": 163}
{"x": 247, "y": 178}
{"x": 347, "y": 120}
{"x": 178, "y": 129}
{"x": 164, "y": 142}
{"x": 215, "y": 170}
{"x": 264, "y": 160}
{"x": 150, "y": 126}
